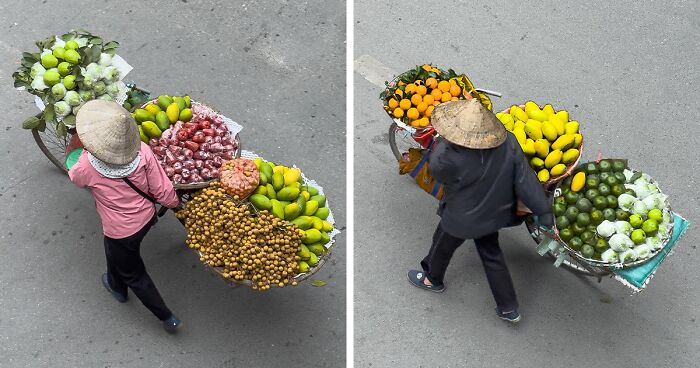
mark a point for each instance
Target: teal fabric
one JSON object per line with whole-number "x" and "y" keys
{"x": 638, "y": 276}
{"x": 73, "y": 157}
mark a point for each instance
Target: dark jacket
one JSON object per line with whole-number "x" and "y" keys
{"x": 482, "y": 187}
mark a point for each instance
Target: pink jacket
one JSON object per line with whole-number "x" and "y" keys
{"x": 123, "y": 211}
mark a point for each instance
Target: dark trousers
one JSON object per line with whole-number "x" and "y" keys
{"x": 444, "y": 246}
{"x": 125, "y": 269}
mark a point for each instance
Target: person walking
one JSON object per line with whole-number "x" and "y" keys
{"x": 126, "y": 182}
{"x": 484, "y": 172}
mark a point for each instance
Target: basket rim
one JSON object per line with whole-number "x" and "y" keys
{"x": 597, "y": 263}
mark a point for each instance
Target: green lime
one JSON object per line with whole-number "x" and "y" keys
{"x": 601, "y": 245}
{"x": 594, "y": 176}
{"x": 609, "y": 214}
{"x": 559, "y": 209}
{"x": 618, "y": 166}
{"x": 604, "y": 189}
{"x": 604, "y": 176}
{"x": 600, "y": 202}
{"x": 591, "y": 168}
{"x": 587, "y": 251}
{"x": 617, "y": 189}
{"x": 562, "y": 222}
{"x": 638, "y": 236}
{"x": 587, "y": 237}
{"x": 566, "y": 234}
{"x": 650, "y": 227}
{"x": 622, "y": 215}
{"x": 631, "y": 192}
{"x": 597, "y": 216}
{"x": 572, "y": 197}
{"x": 605, "y": 165}
{"x": 597, "y": 256}
{"x": 620, "y": 177}
{"x": 655, "y": 215}
{"x": 584, "y": 205}
{"x": 591, "y": 194}
{"x": 612, "y": 201}
{"x": 583, "y": 219}
{"x": 578, "y": 229}
{"x": 571, "y": 213}
{"x": 611, "y": 181}
{"x": 560, "y": 199}
{"x": 592, "y": 228}
{"x": 636, "y": 221}
{"x": 575, "y": 243}
{"x": 592, "y": 182}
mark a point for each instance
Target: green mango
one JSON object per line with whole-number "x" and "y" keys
{"x": 277, "y": 208}
{"x": 291, "y": 211}
{"x": 312, "y": 190}
{"x": 301, "y": 201}
{"x": 325, "y": 238}
{"x": 320, "y": 198}
{"x": 304, "y": 252}
{"x": 142, "y": 135}
{"x": 303, "y": 222}
{"x": 267, "y": 170}
{"x": 311, "y": 207}
{"x": 277, "y": 181}
{"x": 164, "y": 101}
{"x": 181, "y": 104}
{"x": 260, "y": 202}
{"x": 317, "y": 249}
{"x": 141, "y": 115}
{"x": 311, "y": 236}
{"x": 288, "y": 194}
{"x": 263, "y": 179}
{"x": 162, "y": 120}
{"x": 303, "y": 267}
{"x": 322, "y": 213}
{"x": 271, "y": 192}
{"x": 313, "y": 259}
{"x": 188, "y": 102}
{"x": 151, "y": 129}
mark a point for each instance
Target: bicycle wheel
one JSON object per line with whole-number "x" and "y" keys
{"x": 569, "y": 263}
{"x": 400, "y": 141}
{"x": 53, "y": 146}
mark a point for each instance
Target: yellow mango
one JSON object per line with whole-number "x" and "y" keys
{"x": 537, "y": 163}
{"x": 518, "y": 113}
{"x": 557, "y": 170}
{"x": 549, "y": 110}
{"x": 564, "y": 142}
{"x": 563, "y": 115}
{"x": 519, "y": 125}
{"x": 552, "y": 159}
{"x": 529, "y": 147}
{"x": 543, "y": 175}
{"x": 542, "y": 148}
{"x": 292, "y": 176}
{"x": 534, "y": 123}
{"x": 570, "y": 156}
{"x": 532, "y": 130}
{"x": 549, "y": 131}
{"x": 173, "y": 112}
{"x": 578, "y": 139}
{"x": 558, "y": 124}
{"x": 578, "y": 181}
{"x": 571, "y": 127}
{"x": 505, "y": 118}
{"x": 520, "y": 136}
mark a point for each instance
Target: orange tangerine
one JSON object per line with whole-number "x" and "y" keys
{"x": 405, "y": 104}
{"x": 422, "y": 107}
{"x": 431, "y": 82}
{"x": 437, "y": 102}
{"x": 423, "y": 122}
{"x": 398, "y": 113}
{"x": 410, "y": 88}
{"x": 455, "y": 90}
{"x": 454, "y": 98}
{"x": 393, "y": 103}
{"x": 429, "y": 111}
{"x": 436, "y": 94}
{"x": 415, "y": 124}
{"x": 401, "y": 83}
{"x": 446, "y": 97}
{"x": 428, "y": 99}
{"x": 412, "y": 113}
{"x": 421, "y": 90}
{"x": 444, "y": 86}
{"x": 416, "y": 99}
{"x": 399, "y": 92}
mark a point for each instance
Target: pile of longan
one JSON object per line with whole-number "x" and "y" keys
{"x": 243, "y": 243}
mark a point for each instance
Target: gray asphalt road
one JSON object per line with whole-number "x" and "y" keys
{"x": 629, "y": 74}
{"x": 276, "y": 67}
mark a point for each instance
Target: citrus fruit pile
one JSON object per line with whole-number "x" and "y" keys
{"x": 611, "y": 214}
{"x": 551, "y": 142}
{"x": 417, "y": 92}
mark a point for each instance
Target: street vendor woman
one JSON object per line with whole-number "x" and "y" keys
{"x": 126, "y": 181}
{"x": 484, "y": 172}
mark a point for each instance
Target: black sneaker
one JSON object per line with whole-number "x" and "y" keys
{"x": 511, "y": 316}
{"x": 416, "y": 279}
{"x": 120, "y": 298}
{"x": 172, "y": 324}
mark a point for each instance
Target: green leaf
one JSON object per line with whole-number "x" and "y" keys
{"x": 318, "y": 283}
{"x": 95, "y": 41}
{"x": 27, "y": 55}
{"x": 93, "y": 54}
{"x": 27, "y": 62}
{"x": 31, "y": 123}
{"x": 42, "y": 126}
{"x": 69, "y": 120}
{"x": 49, "y": 115}
{"x": 61, "y": 130}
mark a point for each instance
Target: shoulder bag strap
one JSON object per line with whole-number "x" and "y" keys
{"x": 139, "y": 191}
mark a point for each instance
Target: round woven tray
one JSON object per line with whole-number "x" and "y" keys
{"x": 234, "y": 283}
{"x": 204, "y": 184}
{"x": 569, "y": 169}
{"x": 597, "y": 263}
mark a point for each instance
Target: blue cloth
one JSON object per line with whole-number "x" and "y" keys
{"x": 638, "y": 276}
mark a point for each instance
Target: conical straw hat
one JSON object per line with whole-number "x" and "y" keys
{"x": 469, "y": 124}
{"x": 108, "y": 131}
